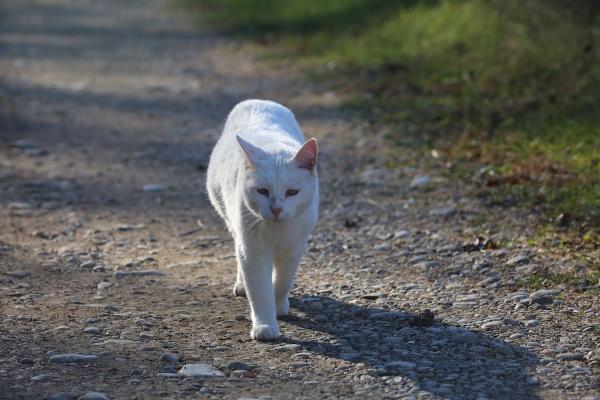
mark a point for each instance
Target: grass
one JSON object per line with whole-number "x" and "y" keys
{"x": 513, "y": 85}
{"x": 584, "y": 283}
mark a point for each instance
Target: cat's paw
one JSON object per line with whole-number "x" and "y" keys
{"x": 239, "y": 290}
{"x": 283, "y": 307}
{"x": 265, "y": 332}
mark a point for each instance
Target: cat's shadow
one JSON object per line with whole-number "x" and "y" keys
{"x": 446, "y": 360}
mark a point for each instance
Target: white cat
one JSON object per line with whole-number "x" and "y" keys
{"x": 262, "y": 180}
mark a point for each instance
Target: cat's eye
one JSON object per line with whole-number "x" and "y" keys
{"x": 291, "y": 192}
{"x": 263, "y": 191}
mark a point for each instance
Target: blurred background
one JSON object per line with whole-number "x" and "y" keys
{"x": 513, "y": 86}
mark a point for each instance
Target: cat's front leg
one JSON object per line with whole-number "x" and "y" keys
{"x": 256, "y": 274}
{"x": 284, "y": 272}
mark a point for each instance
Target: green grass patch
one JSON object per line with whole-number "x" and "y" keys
{"x": 587, "y": 282}
{"x": 520, "y": 77}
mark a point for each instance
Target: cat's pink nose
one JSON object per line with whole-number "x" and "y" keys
{"x": 276, "y": 210}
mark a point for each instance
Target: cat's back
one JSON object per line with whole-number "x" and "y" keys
{"x": 263, "y": 123}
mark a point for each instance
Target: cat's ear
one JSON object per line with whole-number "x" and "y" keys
{"x": 254, "y": 155}
{"x": 306, "y": 157}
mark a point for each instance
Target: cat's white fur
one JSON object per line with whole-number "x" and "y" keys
{"x": 262, "y": 148}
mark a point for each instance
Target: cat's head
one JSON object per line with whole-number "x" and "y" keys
{"x": 276, "y": 187}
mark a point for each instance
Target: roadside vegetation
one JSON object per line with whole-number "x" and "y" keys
{"x": 503, "y": 89}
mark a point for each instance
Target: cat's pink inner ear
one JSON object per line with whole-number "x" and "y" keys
{"x": 306, "y": 157}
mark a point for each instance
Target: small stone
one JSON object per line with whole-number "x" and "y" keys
{"x": 169, "y": 357}
{"x": 401, "y": 234}
{"x": 491, "y": 325}
{"x": 18, "y": 274}
{"x": 419, "y": 181}
{"x": 569, "y": 356}
{"x": 73, "y": 358}
{"x": 147, "y": 272}
{"x": 518, "y": 260}
{"x": 41, "y": 378}
{"x": 238, "y": 365}
{"x": 93, "y": 396}
{"x": 533, "y": 381}
{"x": 287, "y": 347}
{"x": 92, "y": 330}
{"x": 532, "y": 323}
{"x": 373, "y": 296}
{"x": 130, "y": 227}
{"x": 104, "y": 285}
{"x": 200, "y": 371}
{"x": 543, "y": 296}
{"x": 154, "y": 187}
{"x": 20, "y": 205}
{"x": 88, "y": 264}
{"x": 431, "y": 264}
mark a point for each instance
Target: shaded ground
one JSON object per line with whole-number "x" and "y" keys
{"x": 113, "y": 96}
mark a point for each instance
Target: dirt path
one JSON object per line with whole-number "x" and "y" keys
{"x": 114, "y": 107}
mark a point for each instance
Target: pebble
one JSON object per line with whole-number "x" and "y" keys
{"x": 373, "y": 296}
{"x": 104, "y": 285}
{"x": 491, "y": 325}
{"x": 41, "y": 378}
{"x": 147, "y": 272}
{"x": 88, "y": 264}
{"x": 238, "y": 365}
{"x": 154, "y": 187}
{"x": 569, "y": 356}
{"x": 419, "y": 181}
{"x": 169, "y": 357}
{"x": 532, "y": 323}
{"x": 93, "y": 396}
{"x": 517, "y": 260}
{"x": 92, "y": 330}
{"x": 200, "y": 371}
{"x": 18, "y": 274}
{"x": 73, "y": 358}
{"x": 286, "y": 347}
{"x": 534, "y": 380}
{"x": 543, "y": 296}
